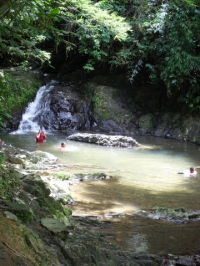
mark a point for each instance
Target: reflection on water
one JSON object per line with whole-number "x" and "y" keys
{"x": 142, "y": 179}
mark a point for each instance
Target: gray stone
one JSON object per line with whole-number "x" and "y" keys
{"x": 10, "y": 216}
{"x": 54, "y": 225}
{"x": 184, "y": 261}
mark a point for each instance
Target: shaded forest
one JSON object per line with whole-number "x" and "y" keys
{"x": 153, "y": 42}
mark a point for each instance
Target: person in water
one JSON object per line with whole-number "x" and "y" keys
{"x": 193, "y": 172}
{"x": 63, "y": 145}
{"x": 190, "y": 172}
{"x": 40, "y": 136}
{"x": 2, "y": 142}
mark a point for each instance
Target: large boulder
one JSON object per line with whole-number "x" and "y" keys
{"x": 68, "y": 110}
{"x": 105, "y": 140}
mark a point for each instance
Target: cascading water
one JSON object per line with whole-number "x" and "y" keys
{"x": 32, "y": 119}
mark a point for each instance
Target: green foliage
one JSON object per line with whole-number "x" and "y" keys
{"x": 166, "y": 45}
{"x": 2, "y": 160}
{"x": 157, "y": 42}
{"x": 25, "y": 216}
{"x": 103, "y": 115}
{"x": 96, "y": 100}
{"x": 191, "y": 98}
{"x": 9, "y": 183}
{"x": 29, "y": 24}
{"x": 67, "y": 22}
{"x": 67, "y": 211}
{"x": 62, "y": 176}
{"x": 14, "y": 94}
{"x": 55, "y": 207}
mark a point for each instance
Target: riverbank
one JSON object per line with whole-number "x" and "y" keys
{"x": 36, "y": 219}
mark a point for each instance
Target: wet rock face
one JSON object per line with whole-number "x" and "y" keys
{"x": 14, "y": 123}
{"x": 103, "y": 109}
{"x": 63, "y": 108}
{"x": 67, "y": 110}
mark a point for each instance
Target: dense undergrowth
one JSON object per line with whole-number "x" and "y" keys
{"x": 153, "y": 42}
{"x": 17, "y": 89}
{"x": 9, "y": 182}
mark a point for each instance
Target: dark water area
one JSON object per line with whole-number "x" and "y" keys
{"x": 142, "y": 180}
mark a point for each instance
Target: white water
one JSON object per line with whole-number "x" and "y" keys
{"x": 35, "y": 109}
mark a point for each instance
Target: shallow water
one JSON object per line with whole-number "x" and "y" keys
{"x": 142, "y": 179}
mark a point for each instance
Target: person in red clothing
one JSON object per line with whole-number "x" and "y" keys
{"x": 40, "y": 136}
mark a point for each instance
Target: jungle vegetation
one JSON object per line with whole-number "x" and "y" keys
{"x": 157, "y": 41}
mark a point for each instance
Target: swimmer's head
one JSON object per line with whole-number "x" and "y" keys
{"x": 191, "y": 169}
{"x": 63, "y": 144}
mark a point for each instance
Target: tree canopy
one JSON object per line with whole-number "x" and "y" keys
{"x": 159, "y": 39}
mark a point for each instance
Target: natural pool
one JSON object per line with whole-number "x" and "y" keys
{"x": 142, "y": 179}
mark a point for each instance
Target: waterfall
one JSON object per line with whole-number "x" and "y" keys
{"x": 32, "y": 119}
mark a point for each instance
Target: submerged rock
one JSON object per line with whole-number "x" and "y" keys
{"x": 176, "y": 215}
{"x": 185, "y": 261}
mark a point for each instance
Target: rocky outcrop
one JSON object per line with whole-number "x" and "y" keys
{"x": 105, "y": 140}
{"x": 113, "y": 115}
{"x": 102, "y": 109}
{"x": 68, "y": 110}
